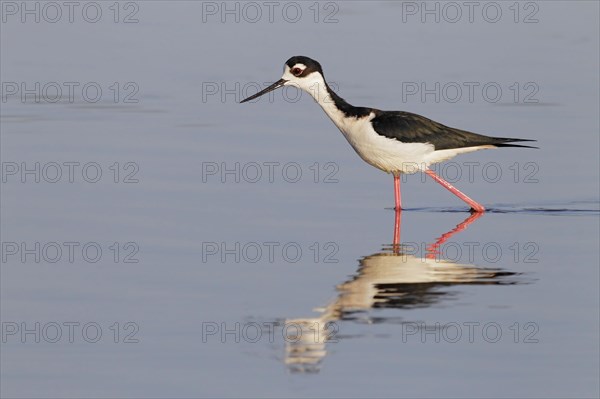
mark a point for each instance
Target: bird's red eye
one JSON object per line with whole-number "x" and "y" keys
{"x": 297, "y": 71}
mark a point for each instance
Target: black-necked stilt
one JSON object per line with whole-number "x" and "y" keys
{"x": 394, "y": 141}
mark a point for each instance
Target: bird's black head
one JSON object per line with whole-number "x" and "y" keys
{"x": 300, "y": 71}
{"x": 301, "y": 66}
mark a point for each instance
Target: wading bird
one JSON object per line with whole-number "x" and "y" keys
{"x": 396, "y": 142}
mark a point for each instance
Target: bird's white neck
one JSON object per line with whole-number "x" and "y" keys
{"x": 318, "y": 89}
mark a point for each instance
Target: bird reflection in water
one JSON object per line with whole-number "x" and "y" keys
{"x": 397, "y": 277}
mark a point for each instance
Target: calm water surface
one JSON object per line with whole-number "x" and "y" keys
{"x": 206, "y": 248}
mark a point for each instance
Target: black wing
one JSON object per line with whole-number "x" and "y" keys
{"x": 413, "y": 128}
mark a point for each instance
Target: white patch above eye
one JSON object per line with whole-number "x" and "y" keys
{"x": 300, "y": 80}
{"x": 296, "y": 70}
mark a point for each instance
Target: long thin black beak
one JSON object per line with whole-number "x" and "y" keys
{"x": 274, "y": 86}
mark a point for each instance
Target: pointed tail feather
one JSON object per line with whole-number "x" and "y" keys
{"x": 508, "y": 142}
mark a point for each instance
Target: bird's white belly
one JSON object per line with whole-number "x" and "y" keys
{"x": 387, "y": 154}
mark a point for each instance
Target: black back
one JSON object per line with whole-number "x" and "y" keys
{"x": 412, "y": 128}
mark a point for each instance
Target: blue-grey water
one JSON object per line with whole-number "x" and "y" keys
{"x": 161, "y": 240}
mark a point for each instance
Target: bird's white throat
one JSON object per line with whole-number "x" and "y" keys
{"x": 315, "y": 86}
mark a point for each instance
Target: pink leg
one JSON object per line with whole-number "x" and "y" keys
{"x": 474, "y": 205}
{"x": 397, "y": 196}
{"x": 397, "y": 223}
